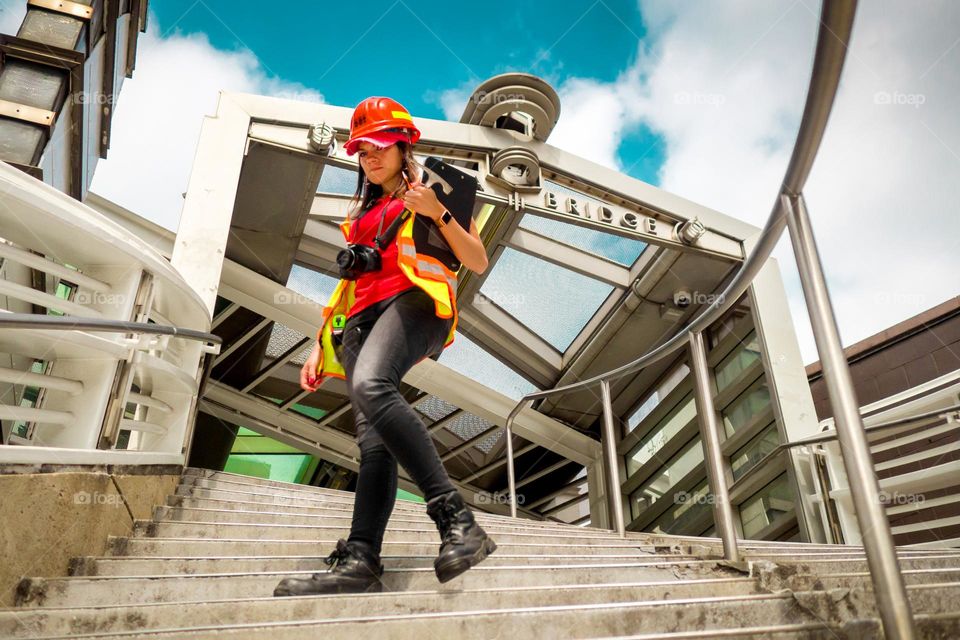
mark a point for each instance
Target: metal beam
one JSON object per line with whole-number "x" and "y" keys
{"x": 242, "y": 340}
{"x": 276, "y": 364}
{"x": 496, "y": 464}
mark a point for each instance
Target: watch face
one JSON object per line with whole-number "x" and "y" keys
{"x": 446, "y": 217}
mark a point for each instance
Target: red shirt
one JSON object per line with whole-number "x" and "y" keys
{"x": 375, "y": 286}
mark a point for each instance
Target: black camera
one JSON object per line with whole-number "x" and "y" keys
{"x": 357, "y": 259}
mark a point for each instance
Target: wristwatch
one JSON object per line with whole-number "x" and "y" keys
{"x": 444, "y": 219}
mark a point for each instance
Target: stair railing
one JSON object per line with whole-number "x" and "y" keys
{"x": 789, "y": 210}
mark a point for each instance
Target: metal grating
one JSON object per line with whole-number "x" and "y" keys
{"x": 435, "y": 408}
{"x": 466, "y": 425}
{"x": 488, "y": 443}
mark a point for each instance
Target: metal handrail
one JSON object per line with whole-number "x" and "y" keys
{"x": 899, "y": 422}
{"x": 65, "y": 323}
{"x": 789, "y": 209}
{"x": 836, "y": 23}
{"x": 827, "y": 437}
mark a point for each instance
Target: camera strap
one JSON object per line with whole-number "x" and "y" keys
{"x": 385, "y": 241}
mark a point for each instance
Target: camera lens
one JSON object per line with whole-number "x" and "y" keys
{"x": 346, "y": 258}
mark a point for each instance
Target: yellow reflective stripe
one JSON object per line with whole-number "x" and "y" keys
{"x": 423, "y": 265}
{"x": 402, "y": 115}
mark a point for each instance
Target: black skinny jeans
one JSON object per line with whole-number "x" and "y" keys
{"x": 380, "y": 344}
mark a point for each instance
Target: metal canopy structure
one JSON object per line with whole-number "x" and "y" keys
{"x": 589, "y": 269}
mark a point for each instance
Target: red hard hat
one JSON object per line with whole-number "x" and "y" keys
{"x": 379, "y": 114}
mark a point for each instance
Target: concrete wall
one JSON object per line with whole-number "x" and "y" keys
{"x": 49, "y": 515}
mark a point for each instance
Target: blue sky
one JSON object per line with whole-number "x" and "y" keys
{"x": 701, "y": 98}
{"x": 353, "y": 59}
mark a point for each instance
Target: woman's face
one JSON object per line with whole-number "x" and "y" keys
{"x": 380, "y": 165}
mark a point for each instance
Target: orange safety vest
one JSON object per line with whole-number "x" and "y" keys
{"x": 427, "y": 272}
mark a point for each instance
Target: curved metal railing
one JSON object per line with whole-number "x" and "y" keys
{"x": 828, "y": 63}
{"x": 71, "y": 323}
{"x": 836, "y": 23}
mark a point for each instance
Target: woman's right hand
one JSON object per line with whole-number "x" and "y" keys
{"x": 309, "y": 380}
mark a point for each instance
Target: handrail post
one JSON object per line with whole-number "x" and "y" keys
{"x": 511, "y": 474}
{"x": 710, "y": 440}
{"x": 610, "y": 461}
{"x": 888, "y": 586}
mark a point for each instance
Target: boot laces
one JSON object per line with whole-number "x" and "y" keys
{"x": 339, "y": 555}
{"x": 448, "y": 519}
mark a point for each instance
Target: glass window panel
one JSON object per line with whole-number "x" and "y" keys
{"x": 309, "y": 412}
{"x": 466, "y": 357}
{"x": 617, "y": 248}
{"x": 679, "y": 466}
{"x": 314, "y": 285}
{"x": 766, "y": 505}
{"x": 647, "y": 448}
{"x": 612, "y": 247}
{"x": 745, "y": 407}
{"x": 668, "y": 385}
{"x": 691, "y": 507}
{"x": 748, "y": 456}
{"x": 553, "y": 302}
{"x": 738, "y": 361}
{"x": 338, "y": 180}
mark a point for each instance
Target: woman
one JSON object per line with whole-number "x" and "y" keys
{"x": 400, "y": 314}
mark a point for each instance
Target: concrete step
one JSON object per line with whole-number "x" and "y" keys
{"x": 260, "y": 511}
{"x": 829, "y": 562}
{"x": 63, "y": 621}
{"x": 343, "y": 517}
{"x": 222, "y": 516}
{"x": 322, "y": 545}
{"x": 151, "y": 565}
{"x": 154, "y": 565}
{"x": 290, "y": 499}
{"x": 308, "y": 498}
{"x": 187, "y": 529}
{"x": 557, "y": 621}
{"x": 110, "y": 590}
{"x": 929, "y": 627}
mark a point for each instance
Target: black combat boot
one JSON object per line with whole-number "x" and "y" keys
{"x": 355, "y": 568}
{"x": 464, "y": 542}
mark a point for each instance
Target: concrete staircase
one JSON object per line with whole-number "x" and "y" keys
{"x": 205, "y": 567}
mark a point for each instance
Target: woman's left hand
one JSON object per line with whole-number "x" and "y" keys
{"x": 421, "y": 199}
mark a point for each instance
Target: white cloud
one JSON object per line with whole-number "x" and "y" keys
{"x": 884, "y": 183}
{"x": 160, "y": 110}
{"x": 724, "y": 84}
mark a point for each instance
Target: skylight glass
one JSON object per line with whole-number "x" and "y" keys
{"x": 553, "y": 302}
{"x": 466, "y": 357}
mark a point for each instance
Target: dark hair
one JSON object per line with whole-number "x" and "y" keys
{"x": 367, "y": 192}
